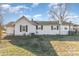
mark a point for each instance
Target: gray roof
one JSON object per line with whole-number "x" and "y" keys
{"x": 51, "y": 23}
{"x": 10, "y": 24}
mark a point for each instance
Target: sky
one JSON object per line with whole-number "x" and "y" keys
{"x": 37, "y": 11}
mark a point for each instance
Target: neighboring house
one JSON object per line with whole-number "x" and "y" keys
{"x": 10, "y": 27}
{"x": 24, "y": 26}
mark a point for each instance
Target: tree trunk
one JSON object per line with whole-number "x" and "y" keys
{"x": 60, "y": 25}
{"x": 60, "y": 29}
{"x": 0, "y": 32}
{"x": 70, "y": 28}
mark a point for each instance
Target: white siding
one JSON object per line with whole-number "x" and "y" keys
{"x": 47, "y": 30}
{"x": 10, "y": 30}
{"x": 31, "y": 28}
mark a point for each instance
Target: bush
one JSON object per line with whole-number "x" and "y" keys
{"x": 35, "y": 45}
{"x": 71, "y": 33}
{"x": 41, "y": 38}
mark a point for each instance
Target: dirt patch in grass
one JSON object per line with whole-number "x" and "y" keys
{"x": 66, "y": 48}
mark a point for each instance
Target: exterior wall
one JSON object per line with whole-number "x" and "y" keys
{"x": 63, "y": 30}
{"x": 31, "y": 28}
{"x": 76, "y": 28}
{"x": 66, "y": 26}
{"x": 47, "y": 30}
{"x": 10, "y": 30}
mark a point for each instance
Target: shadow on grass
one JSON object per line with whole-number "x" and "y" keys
{"x": 69, "y": 38}
{"x": 38, "y": 45}
{"x": 63, "y": 37}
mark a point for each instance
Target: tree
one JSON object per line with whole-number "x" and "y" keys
{"x": 1, "y": 28}
{"x": 60, "y": 13}
{"x": 1, "y": 22}
{"x": 70, "y": 28}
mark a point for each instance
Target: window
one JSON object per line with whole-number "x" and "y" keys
{"x": 57, "y": 27}
{"x": 65, "y": 28}
{"x": 41, "y": 27}
{"x": 52, "y": 28}
{"x": 23, "y": 28}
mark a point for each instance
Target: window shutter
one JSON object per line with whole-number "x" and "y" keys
{"x": 20, "y": 28}
{"x": 41, "y": 27}
{"x": 36, "y": 27}
{"x": 51, "y": 27}
{"x": 26, "y": 28}
{"x": 57, "y": 27}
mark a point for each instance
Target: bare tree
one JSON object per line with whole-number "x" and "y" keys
{"x": 60, "y": 13}
{"x": 1, "y": 22}
{"x": 1, "y": 27}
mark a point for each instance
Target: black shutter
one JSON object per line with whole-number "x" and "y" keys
{"x": 26, "y": 28}
{"x": 36, "y": 27}
{"x": 51, "y": 27}
{"x": 57, "y": 27}
{"x": 41, "y": 27}
{"x": 20, "y": 28}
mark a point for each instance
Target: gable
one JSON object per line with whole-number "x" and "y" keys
{"x": 24, "y": 19}
{"x": 23, "y": 22}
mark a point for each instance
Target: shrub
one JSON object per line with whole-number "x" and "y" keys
{"x": 35, "y": 45}
{"x": 71, "y": 33}
{"x": 41, "y": 38}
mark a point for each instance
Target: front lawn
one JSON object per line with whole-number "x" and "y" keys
{"x": 34, "y": 45}
{"x": 38, "y": 45}
{"x": 12, "y": 50}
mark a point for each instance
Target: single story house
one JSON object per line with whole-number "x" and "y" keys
{"x": 23, "y": 26}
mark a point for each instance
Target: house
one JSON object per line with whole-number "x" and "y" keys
{"x": 24, "y": 26}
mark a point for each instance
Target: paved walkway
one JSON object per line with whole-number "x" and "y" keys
{"x": 66, "y": 48}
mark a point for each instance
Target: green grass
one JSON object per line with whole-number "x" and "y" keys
{"x": 12, "y": 50}
{"x": 30, "y": 45}
{"x": 34, "y": 45}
